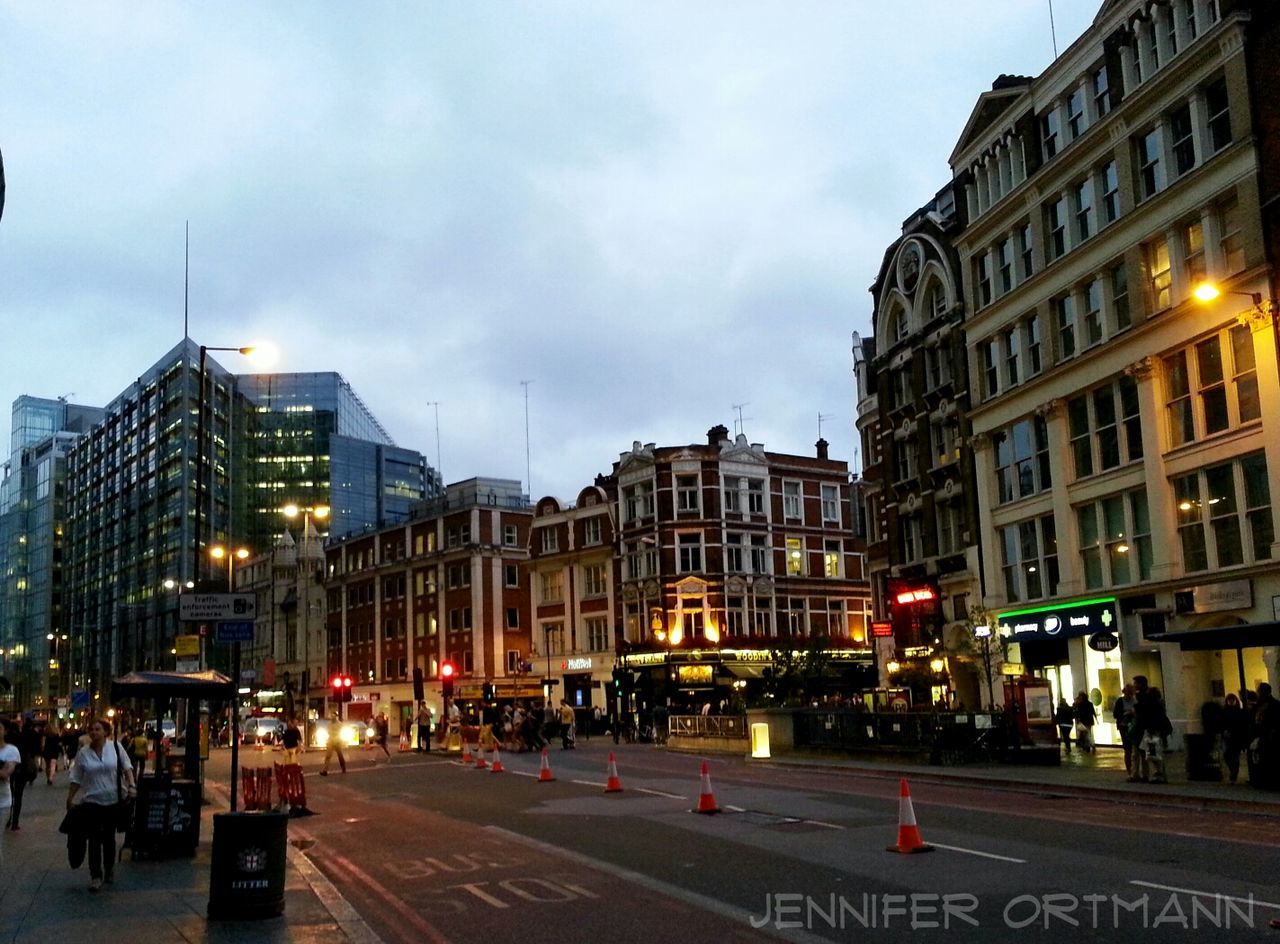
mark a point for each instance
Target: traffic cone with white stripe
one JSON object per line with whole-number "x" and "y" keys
{"x": 706, "y": 799}
{"x": 481, "y": 764}
{"x": 614, "y": 785}
{"x": 496, "y": 767}
{"x": 909, "y": 840}
{"x": 544, "y": 775}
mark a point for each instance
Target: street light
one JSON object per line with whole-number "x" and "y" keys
{"x": 319, "y": 512}
{"x": 218, "y": 552}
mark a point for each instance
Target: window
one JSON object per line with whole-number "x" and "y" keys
{"x": 511, "y": 575}
{"x": 909, "y": 535}
{"x": 792, "y": 506}
{"x": 1232, "y": 242}
{"x": 943, "y": 435}
{"x": 597, "y": 634}
{"x": 513, "y": 617}
{"x": 1110, "y": 192}
{"x": 795, "y": 614}
{"x": 551, "y": 587}
{"x": 1193, "y": 251}
{"x": 451, "y": 538}
{"x": 1178, "y": 391}
{"x": 937, "y": 301}
{"x": 1004, "y": 263}
{"x": 761, "y": 559}
{"x": 991, "y": 368}
{"x": 831, "y": 504}
{"x": 1214, "y": 528}
{"x": 513, "y": 661}
{"x": 690, "y": 545}
{"x": 1075, "y": 113}
{"x": 1245, "y": 374}
{"x": 458, "y": 575}
{"x": 1056, "y": 223}
{"x": 1215, "y": 98}
{"x": 510, "y": 536}
{"x": 1093, "y": 312}
{"x": 1065, "y": 308}
{"x": 732, "y": 500}
{"x": 1029, "y": 555}
{"x": 1150, "y": 177}
{"x": 904, "y": 460}
{"x": 594, "y": 580}
{"x": 1160, "y": 274}
{"x": 733, "y": 560}
{"x": 1101, "y": 91}
{"x": 899, "y": 388}
{"x": 1049, "y": 131}
{"x": 1022, "y": 459}
{"x": 982, "y": 265}
{"x": 1009, "y": 339}
{"x": 591, "y": 532}
{"x": 686, "y": 493}
{"x": 1084, "y": 210}
{"x": 755, "y": 496}
{"x": 550, "y": 540}
{"x": 831, "y": 554}
{"x": 1115, "y": 540}
{"x": 553, "y": 636}
{"x": 937, "y": 366}
{"x": 795, "y": 557}
{"x": 460, "y": 619}
{"x": 950, "y": 518}
{"x": 900, "y": 326}
{"x": 1216, "y": 406}
{"x": 638, "y": 500}
{"x": 1120, "y": 297}
{"x": 1031, "y": 335}
{"x": 1102, "y": 436}
{"x": 1026, "y": 246}
{"x": 1184, "y": 148}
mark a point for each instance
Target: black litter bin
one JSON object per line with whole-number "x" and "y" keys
{"x": 246, "y": 877}
{"x": 1202, "y": 759}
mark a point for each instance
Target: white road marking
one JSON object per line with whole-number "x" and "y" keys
{"x": 1192, "y": 891}
{"x": 521, "y": 773}
{"x": 818, "y": 822}
{"x": 985, "y": 855}
{"x": 734, "y": 809}
{"x": 712, "y": 905}
{"x": 671, "y": 796}
{"x": 334, "y": 902}
{"x": 588, "y": 783}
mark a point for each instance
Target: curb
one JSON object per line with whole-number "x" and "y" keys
{"x": 1113, "y": 794}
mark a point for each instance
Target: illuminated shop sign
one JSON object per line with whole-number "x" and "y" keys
{"x": 1062, "y": 620}
{"x": 576, "y": 665}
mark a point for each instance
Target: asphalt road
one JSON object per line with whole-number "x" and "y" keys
{"x": 429, "y": 850}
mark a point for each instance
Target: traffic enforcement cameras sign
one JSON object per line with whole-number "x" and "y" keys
{"x": 212, "y": 607}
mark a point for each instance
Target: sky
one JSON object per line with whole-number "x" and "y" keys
{"x": 652, "y": 211}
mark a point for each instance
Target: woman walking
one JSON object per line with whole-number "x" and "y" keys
{"x": 10, "y": 767}
{"x": 52, "y": 751}
{"x": 101, "y": 778}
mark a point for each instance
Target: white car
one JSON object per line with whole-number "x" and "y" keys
{"x": 261, "y": 730}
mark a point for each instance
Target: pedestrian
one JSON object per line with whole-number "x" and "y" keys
{"x": 1234, "y": 725}
{"x": 1153, "y": 728}
{"x": 1122, "y": 712}
{"x": 101, "y": 779}
{"x": 291, "y": 740}
{"x": 140, "y": 746}
{"x": 334, "y": 746}
{"x": 1065, "y": 718}
{"x": 70, "y": 744}
{"x": 424, "y": 729}
{"x": 1086, "y": 717}
{"x": 27, "y": 740}
{"x": 568, "y": 732}
{"x": 381, "y": 732}
{"x": 52, "y": 751}
{"x": 10, "y": 767}
{"x": 1264, "y": 749}
{"x": 453, "y": 726}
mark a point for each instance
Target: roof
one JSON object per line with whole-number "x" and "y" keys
{"x": 1244, "y": 636}
{"x": 206, "y": 684}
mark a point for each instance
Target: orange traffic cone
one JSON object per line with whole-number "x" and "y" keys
{"x": 481, "y": 764}
{"x": 908, "y": 833}
{"x": 496, "y": 767}
{"x": 466, "y": 753}
{"x": 614, "y": 785}
{"x": 544, "y": 775}
{"x": 707, "y": 799}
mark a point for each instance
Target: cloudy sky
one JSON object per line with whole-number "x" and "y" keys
{"x": 652, "y": 210}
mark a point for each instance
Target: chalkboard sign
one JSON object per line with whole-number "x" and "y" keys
{"x": 167, "y": 818}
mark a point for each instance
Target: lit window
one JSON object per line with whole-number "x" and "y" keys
{"x": 795, "y": 557}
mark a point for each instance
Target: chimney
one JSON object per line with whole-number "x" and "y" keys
{"x": 822, "y": 445}
{"x": 716, "y": 435}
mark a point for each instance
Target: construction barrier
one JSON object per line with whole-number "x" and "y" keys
{"x": 293, "y": 789}
{"x": 255, "y": 788}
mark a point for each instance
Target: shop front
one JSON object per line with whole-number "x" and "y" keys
{"x": 1075, "y": 646}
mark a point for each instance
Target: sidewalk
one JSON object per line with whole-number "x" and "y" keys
{"x": 162, "y": 902}
{"x": 1100, "y": 774}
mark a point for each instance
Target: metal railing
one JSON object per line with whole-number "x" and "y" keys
{"x": 948, "y": 738}
{"x": 708, "y": 726}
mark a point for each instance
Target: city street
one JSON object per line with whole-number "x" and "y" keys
{"x": 428, "y": 850}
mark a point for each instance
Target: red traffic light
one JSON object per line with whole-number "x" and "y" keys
{"x": 447, "y": 671}
{"x": 336, "y": 682}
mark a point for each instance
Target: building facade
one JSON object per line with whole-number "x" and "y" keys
{"x": 731, "y": 559}
{"x": 446, "y": 585}
{"x": 922, "y": 515}
{"x": 574, "y": 587}
{"x": 1126, "y": 440}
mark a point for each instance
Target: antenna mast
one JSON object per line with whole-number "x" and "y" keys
{"x": 528, "y": 473}
{"x": 738, "y": 427}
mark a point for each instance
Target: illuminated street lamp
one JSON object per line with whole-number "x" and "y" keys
{"x": 319, "y": 512}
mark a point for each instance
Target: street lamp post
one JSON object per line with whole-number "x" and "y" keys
{"x": 319, "y": 512}
{"x": 219, "y": 552}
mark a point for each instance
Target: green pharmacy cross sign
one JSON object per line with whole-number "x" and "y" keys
{"x": 1061, "y": 620}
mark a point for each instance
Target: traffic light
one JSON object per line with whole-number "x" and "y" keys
{"x": 447, "y": 676}
{"x": 489, "y": 692}
{"x": 341, "y": 688}
{"x": 617, "y": 681}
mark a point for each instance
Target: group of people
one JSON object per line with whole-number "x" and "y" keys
{"x": 522, "y": 725}
{"x": 1143, "y": 723}
{"x": 1251, "y": 728}
{"x": 101, "y": 778}
{"x": 1077, "y": 718}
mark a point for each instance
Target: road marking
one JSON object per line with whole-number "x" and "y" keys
{"x": 985, "y": 855}
{"x": 734, "y": 809}
{"x": 406, "y": 914}
{"x": 1192, "y": 891}
{"x": 818, "y": 822}
{"x": 342, "y": 911}
{"x": 672, "y": 796}
{"x": 521, "y": 773}
{"x": 712, "y": 905}
{"x": 587, "y": 783}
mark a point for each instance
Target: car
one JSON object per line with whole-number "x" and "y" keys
{"x": 354, "y": 733}
{"x": 261, "y": 730}
{"x": 168, "y": 728}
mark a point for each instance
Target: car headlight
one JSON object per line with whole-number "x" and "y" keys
{"x": 322, "y": 737}
{"x": 369, "y": 733}
{"x": 350, "y": 735}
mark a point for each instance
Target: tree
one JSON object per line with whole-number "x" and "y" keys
{"x": 989, "y": 650}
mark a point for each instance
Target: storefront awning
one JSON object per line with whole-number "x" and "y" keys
{"x": 1245, "y": 636}
{"x": 744, "y": 670}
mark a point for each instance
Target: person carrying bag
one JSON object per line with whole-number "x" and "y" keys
{"x": 103, "y": 783}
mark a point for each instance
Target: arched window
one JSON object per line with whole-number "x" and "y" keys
{"x": 937, "y": 299}
{"x": 898, "y": 324}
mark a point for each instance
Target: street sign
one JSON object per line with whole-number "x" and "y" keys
{"x": 187, "y": 646}
{"x": 234, "y": 631}
{"x": 212, "y": 607}
{"x": 79, "y": 699}
{"x": 187, "y": 665}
